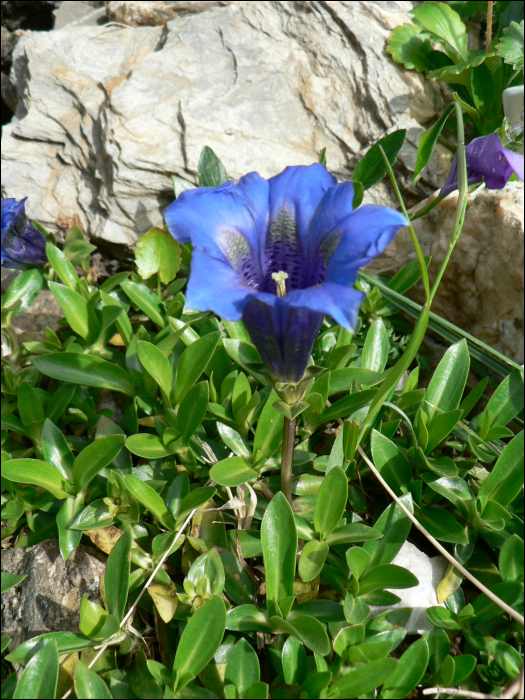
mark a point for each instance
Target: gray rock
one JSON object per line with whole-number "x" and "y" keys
{"x": 482, "y": 290}
{"x": 76, "y": 12}
{"x": 48, "y": 600}
{"x": 106, "y": 115}
{"x": 43, "y": 313}
{"x": 139, "y": 14}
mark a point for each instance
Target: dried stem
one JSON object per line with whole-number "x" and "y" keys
{"x": 490, "y": 6}
{"x": 287, "y": 457}
{"x": 510, "y": 611}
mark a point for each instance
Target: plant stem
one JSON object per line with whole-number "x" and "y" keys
{"x": 287, "y": 457}
{"x": 490, "y": 6}
{"x": 159, "y": 286}
{"x": 421, "y": 212}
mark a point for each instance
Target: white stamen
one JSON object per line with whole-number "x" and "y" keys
{"x": 280, "y": 280}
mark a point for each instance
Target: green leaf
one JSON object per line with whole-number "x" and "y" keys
{"x": 440, "y": 428}
{"x": 147, "y": 446}
{"x": 507, "y": 658}
{"x": 312, "y": 559}
{"x": 232, "y": 472}
{"x": 351, "y": 533}
{"x": 407, "y": 277}
{"x": 409, "y": 45}
{"x": 61, "y": 265}
{"x": 427, "y": 144}
{"x": 87, "y": 370}
{"x": 38, "y": 473}
{"x": 212, "y": 172}
{"x": 56, "y": 450}
{"x": 510, "y": 47}
{"x": 443, "y": 525}
{"x": 511, "y": 559}
{"x": 507, "y": 401}
{"x": 409, "y": 672}
{"x": 178, "y": 490}
{"x": 67, "y": 643}
{"x": 157, "y": 252}
{"x": 200, "y": 640}
{"x": 371, "y": 169}
{"x": 331, "y": 502}
{"x": 154, "y": 361}
{"x": 146, "y": 300}
{"x": 196, "y": 499}
{"x": 482, "y": 88}
{"x": 363, "y": 679}
{"x": 386, "y": 576}
{"x": 95, "y": 457}
{"x": 23, "y": 291}
{"x": 68, "y": 538}
{"x": 443, "y": 618}
{"x": 485, "y": 609}
{"x": 95, "y": 622}
{"x": 233, "y": 440}
{"x": 150, "y": 499}
{"x": 79, "y": 314}
{"x": 40, "y": 677}
{"x": 294, "y": 662}
{"x": 238, "y": 585}
{"x": 11, "y": 580}
{"x": 390, "y": 462}
{"x": 307, "y": 630}
{"x": 376, "y": 347}
{"x": 242, "y": 668}
{"x": 459, "y": 74}
{"x": 445, "y": 24}
{"x": 448, "y": 382}
{"x": 345, "y": 406}
{"x": 29, "y": 405}
{"x": 269, "y": 431}
{"x": 117, "y": 575}
{"x": 505, "y": 481}
{"x": 193, "y": 362}
{"x": 395, "y": 526}
{"x": 245, "y": 618}
{"x": 88, "y": 684}
{"x": 193, "y": 409}
{"x": 279, "y": 544}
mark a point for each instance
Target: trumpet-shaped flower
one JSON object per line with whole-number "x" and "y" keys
{"x": 22, "y": 245}
{"x": 280, "y": 254}
{"x": 486, "y": 158}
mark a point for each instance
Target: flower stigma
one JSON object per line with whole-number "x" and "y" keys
{"x": 280, "y": 280}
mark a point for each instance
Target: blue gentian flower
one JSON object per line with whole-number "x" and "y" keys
{"x": 280, "y": 254}
{"x": 22, "y": 245}
{"x": 486, "y": 158}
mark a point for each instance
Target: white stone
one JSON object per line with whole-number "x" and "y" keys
{"x": 429, "y": 571}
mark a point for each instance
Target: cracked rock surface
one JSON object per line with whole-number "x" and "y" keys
{"x": 106, "y": 114}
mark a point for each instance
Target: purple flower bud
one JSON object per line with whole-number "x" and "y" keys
{"x": 22, "y": 245}
{"x": 280, "y": 254}
{"x": 486, "y": 158}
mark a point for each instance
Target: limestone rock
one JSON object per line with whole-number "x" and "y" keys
{"x": 429, "y": 571}
{"x": 143, "y": 13}
{"x": 482, "y": 290}
{"x": 107, "y": 114}
{"x": 48, "y": 600}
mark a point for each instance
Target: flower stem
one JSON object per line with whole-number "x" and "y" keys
{"x": 490, "y": 6}
{"x": 287, "y": 457}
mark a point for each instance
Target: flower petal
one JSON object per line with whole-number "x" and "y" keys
{"x": 341, "y": 303}
{"x": 215, "y": 286}
{"x": 360, "y": 237}
{"x": 515, "y": 161}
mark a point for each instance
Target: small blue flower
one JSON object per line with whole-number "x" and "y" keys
{"x": 22, "y": 245}
{"x": 280, "y": 254}
{"x": 486, "y": 158}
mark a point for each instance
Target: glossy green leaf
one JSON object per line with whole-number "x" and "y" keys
{"x": 95, "y": 457}
{"x": 307, "y": 630}
{"x": 212, "y": 172}
{"x": 371, "y": 169}
{"x": 508, "y": 658}
{"x": 95, "y": 622}
{"x": 409, "y": 672}
{"x": 117, "y": 575}
{"x": 77, "y": 311}
{"x": 61, "y": 265}
{"x": 233, "y": 471}
{"x": 40, "y": 677}
{"x": 85, "y": 369}
{"x": 507, "y": 401}
{"x": 68, "y": 539}
{"x": 242, "y": 668}
{"x": 177, "y": 492}
{"x": 448, "y": 382}
{"x": 147, "y": 445}
{"x": 510, "y": 47}
{"x": 61, "y": 400}
{"x": 88, "y": 684}
{"x": 445, "y": 24}
{"x": 386, "y": 576}
{"x": 440, "y": 428}
{"x": 155, "y": 362}
{"x": 11, "y": 580}
{"x": 408, "y": 45}
{"x": 245, "y": 618}
{"x": 238, "y": 585}
{"x": 192, "y": 409}
{"x": 146, "y": 300}
{"x": 485, "y": 609}
{"x": 390, "y": 462}
{"x": 29, "y": 405}
{"x": 193, "y": 362}
{"x": 358, "y": 560}
{"x": 331, "y": 502}
{"x": 150, "y": 499}
{"x": 36, "y": 472}
{"x": 294, "y": 662}
{"x": 23, "y": 291}
{"x": 427, "y": 143}
{"x": 395, "y": 527}
{"x": 269, "y": 431}
{"x": 464, "y": 666}
{"x": 364, "y": 679}
{"x": 511, "y": 559}
{"x": 443, "y": 618}
{"x": 56, "y": 450}
{"x": 345, "y": 406}
{"x": 376, "y": 347}
{"x": 93, "y": 516}
{"x": 443, "y": 525}
{"x": 234, "y": 441}
{"x": 67, "y": 643}
{"x": 505, "y": 481}
{"x": 312, "y": 559}
{"x": 157, "y": 252}
{"x": 196, "y": 499}
{"x": 279, "y": 544}
{"x": 352, "y": 533}
{"x": 257, "y": 691}
{"x": 200, "y": 640}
